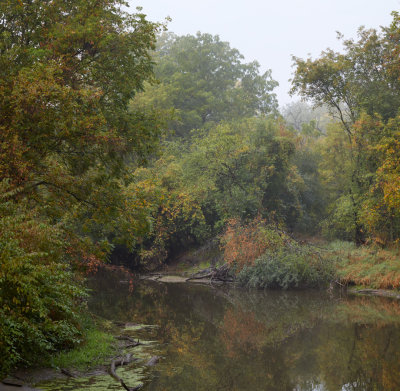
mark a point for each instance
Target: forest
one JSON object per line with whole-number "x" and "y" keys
{"x": 120, "y": 139}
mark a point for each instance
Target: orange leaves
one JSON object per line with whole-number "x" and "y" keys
{"x": 243, "y": 244}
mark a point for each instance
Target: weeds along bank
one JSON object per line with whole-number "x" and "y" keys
{"x": 370, "y": 266}
{"x": 263, "y": 256}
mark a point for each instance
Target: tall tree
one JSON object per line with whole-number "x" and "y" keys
{"x": 206, "y": 81}
{"x": 362, "y": 80}
{"x": 68, "y": 70}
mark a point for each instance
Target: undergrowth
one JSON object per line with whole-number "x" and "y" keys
{"x": 264, "y": 256}
{"x": 302, "y": 267}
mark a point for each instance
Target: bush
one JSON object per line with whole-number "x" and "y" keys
{"x": 289, "y": 267}
{"x": 40, "y": 300}
{"x": 243, "y": 244}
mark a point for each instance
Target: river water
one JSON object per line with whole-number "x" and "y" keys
{"x": 228, "y": 338}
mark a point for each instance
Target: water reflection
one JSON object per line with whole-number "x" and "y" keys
{"x": 230, "y": 339}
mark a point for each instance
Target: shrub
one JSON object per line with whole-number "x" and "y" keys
{"x": 289, "y": 267}
{"x": 244, "y": 243}
{"x": 40, "y": 300}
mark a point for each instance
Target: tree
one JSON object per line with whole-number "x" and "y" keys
{"x": 68, "y": 70}
{"x": 359, "y": 86}
{"x": 350, "y": 83}
{"x": 205, "y": 81}
{"x": 68, "y": 73}
{"x": 302, "y": 117}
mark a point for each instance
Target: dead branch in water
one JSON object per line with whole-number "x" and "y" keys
{"x": 119, "y": 361}
{"x": 221, "y": 273}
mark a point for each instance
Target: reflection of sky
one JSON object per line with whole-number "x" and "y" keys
{"x": 271, "y": 31}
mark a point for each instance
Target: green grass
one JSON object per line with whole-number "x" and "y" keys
{"x": 97, "y": 348}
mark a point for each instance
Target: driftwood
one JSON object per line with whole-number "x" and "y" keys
{"x": 133, "y": 344}
{"x": 119, "y": 362}
{"x": 200, "y": 277}
{"x": 221, "y": 273}
{"x": 12, "y": 382}
{"x": 129, "y": 339}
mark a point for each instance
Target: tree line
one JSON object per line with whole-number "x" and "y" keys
{"x": 115, "y": 134}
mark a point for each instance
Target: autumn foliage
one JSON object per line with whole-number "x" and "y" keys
{"x": 244, "y": 243}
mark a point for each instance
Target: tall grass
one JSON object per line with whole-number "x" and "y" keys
{"x": 368, "y": 266}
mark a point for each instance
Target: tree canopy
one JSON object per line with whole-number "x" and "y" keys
{"x": 68, "y": 71}
{"x": 205, "y": 81}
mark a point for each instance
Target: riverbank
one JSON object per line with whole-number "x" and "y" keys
{"x": 95, "y": 359}
{"x": 370, "y": 268}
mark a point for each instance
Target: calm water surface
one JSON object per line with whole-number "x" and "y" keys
{"x": 233, "y": 339}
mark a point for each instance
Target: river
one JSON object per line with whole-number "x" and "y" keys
{"x": 226, "y": 338}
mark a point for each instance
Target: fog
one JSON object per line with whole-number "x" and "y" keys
{"x": 272, "y": 31}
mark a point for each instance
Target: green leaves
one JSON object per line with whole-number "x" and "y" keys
{"x": 68, "y": 70}
{"x": 206, "y": 81}
{"x": 40, "y": 300}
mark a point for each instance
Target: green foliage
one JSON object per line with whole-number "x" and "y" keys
{"x": 69, "y": 71}
{"x": 349, "y": 83}
{"x": 359, "y": 166}
{"x": 244, "y": 169}
{"x": 95, "y": 350}
{"x": 205, "y": 81}
{"x": 292, "y": 266}
{"x": 232, "y": 170}
{"x": 40, "y": 298}
{"x": 380, "y": 211}
{"x": 68, "y": 138}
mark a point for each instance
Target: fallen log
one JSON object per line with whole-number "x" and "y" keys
{"x": 12, "y": 382}
{"x": 126, "y": 338}
{"x": 133, "y": 344}
{"x": 221, "y": 273}
{"x": 119, "y": 362}
{"x": 129, "y": 339}
{"x": 194, "y": 277}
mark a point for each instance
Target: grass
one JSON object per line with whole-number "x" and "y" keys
{"x": 367, "y": 266}
{"x": 98, "y": 346}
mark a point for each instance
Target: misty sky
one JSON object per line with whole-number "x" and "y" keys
{"x": 271, "y": 31}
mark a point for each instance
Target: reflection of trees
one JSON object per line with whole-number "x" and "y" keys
{"x": 237, "y": 340}
{"x": 364, "y": 358}
{"x": 241, "y": 332}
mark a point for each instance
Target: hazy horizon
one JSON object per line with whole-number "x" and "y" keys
{"x": 271, "y": 32}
